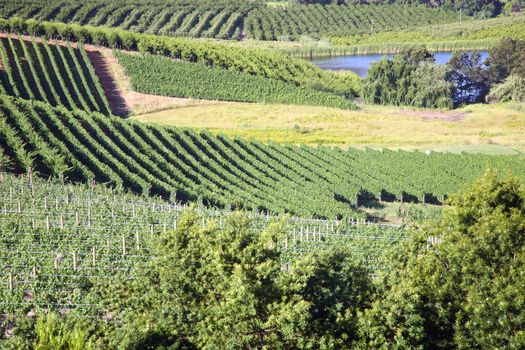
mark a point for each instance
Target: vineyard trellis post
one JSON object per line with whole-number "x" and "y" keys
{"x": 10, "y": 281}
{"x": 30, "y": 176}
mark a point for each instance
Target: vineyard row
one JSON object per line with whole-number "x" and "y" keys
{"x": 229, "y": 19}
{"x": 222, "y": 172}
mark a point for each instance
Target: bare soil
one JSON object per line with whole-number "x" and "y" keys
{"x": 448, "y": 116}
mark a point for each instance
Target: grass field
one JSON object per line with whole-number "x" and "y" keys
{"x": 492, "y": 129}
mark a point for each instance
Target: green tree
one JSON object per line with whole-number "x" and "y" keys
{"x": 458, "y": 283}
{"x": 411, "y": 78}
{"x": 212, "y": 288}
{"x": 512, "y": 89}
{"x": 506, "y": 58}
{"x": 469, "y": 76}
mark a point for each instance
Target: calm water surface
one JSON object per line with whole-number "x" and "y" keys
{"x": 361, "y": 63}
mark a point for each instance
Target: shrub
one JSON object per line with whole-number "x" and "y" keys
{"x": 512, "y": 89}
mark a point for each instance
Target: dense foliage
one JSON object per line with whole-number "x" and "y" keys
{"x": 159, "y": 75}
{"x": 459, "y": 284}
{"x": 228, "y": 19}
{"x": 411, "y": 78}
{"x": 56, "y": 239}
{"x": 148, "y": 159}
{"x": 469, "y": 76}
{"x": 57, "y": 74}
{"x": 252, "y": 61}
{"x": 506, "y": 58}
{"x": 506, "y": 71}
{"x": 512, "y": 89}
{"x": 227, "y": 289}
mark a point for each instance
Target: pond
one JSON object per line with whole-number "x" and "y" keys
{"x": 361, "y": 63}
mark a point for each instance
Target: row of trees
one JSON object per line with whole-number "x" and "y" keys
{"x": 413, "y": 78}
{"x": 456, "y": 284}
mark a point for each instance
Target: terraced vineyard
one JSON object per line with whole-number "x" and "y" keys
{"x": 59, "y": 75}
{"x": 59, "y": 239}
{"x": 229, "y": 19}
{"x": 222, "y": 172}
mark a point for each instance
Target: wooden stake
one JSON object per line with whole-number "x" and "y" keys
{"x": 123, "y": 245}
{"x": 10, "y": 281}
{"x": 94, "y": 253}
{"x": 74, "y": 261}
{"x": 30, "y": 175}
{"x": 307, "y": 231}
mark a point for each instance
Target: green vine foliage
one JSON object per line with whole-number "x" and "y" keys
{"x": 163, "y": 76}
{"x": 253, "y": 61}
{"x": 231, "y": 19}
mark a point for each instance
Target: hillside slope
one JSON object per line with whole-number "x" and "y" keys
{"x": 57, "y": 74}
{"x": 190, "y": 166}
{"x": 229, "y": 19}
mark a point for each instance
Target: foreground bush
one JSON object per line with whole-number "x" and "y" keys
{"x": 456, "y": 284}
{"x": 462, "y": 288}
{"x": 227, "y": 289}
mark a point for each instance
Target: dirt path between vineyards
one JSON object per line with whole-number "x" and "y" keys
{"x": 448, "y": 116}
{"x": 117, "y": 86}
